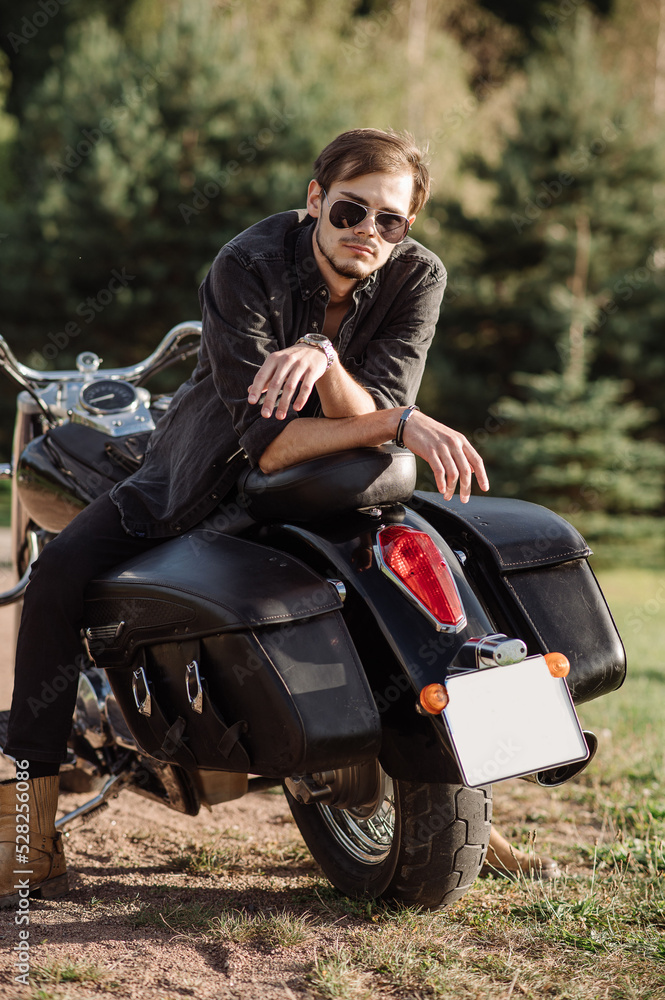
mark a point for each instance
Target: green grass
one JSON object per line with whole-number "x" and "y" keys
{"x": 48, "y": 981}
{"x": 5, "y": 502}
{"x": 208, "y": 859}
{"x": 266, "y": 928}
{"x": 597, "y": 933}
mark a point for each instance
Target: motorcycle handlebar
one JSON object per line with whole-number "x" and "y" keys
{"x": 170, "y": 350}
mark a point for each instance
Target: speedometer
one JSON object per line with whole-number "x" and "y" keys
{"x": 108, "y": 396}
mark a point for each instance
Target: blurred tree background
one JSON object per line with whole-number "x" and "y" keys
{"x": 137, "y": 136}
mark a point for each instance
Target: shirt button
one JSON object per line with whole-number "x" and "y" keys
{"x": 214, "y": 496}
{"x": 175, "y": 527}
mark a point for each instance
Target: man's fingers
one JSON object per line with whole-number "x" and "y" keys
{"x": 282, "y": 372}
{"x": 439, "y": 474}
{"x": 306, "y": 387}
{"x": 288, "y": 388}
{"x": 449, "y": 454}
{"x": 261, "y": 380}
{"x": 478, "y": 467}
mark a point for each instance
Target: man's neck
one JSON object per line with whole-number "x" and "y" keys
{"x": 341, "y": 289}
{"x": 341, "y": 296}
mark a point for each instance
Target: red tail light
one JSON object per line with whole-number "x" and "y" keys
{"x": 414, "y": 561}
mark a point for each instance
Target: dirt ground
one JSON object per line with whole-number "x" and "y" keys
{"x": 132, "y": 921}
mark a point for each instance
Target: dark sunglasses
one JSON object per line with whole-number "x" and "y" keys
{"x": 348, "y": 214}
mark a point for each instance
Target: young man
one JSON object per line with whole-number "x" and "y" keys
{"x": 316, "y": 326}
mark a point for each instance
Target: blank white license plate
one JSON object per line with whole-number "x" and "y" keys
{"x": 504, "y": 722}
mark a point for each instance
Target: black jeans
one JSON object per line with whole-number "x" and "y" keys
{"x": 49, "y": 651}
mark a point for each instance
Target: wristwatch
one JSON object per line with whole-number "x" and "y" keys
{"x": 322, "y": 343}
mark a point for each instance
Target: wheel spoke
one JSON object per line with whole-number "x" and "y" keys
{"x": 369, "y": 840}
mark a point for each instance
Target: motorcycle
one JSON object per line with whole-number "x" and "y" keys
{"x": 384, "y": 655}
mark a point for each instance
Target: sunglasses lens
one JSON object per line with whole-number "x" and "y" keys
{"x": 393, "y": 228}
{"x": 346, "y": 215}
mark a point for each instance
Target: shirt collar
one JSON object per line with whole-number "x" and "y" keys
{"x": 310, "y": 278}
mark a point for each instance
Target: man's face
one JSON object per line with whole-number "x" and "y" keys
{"x": 357, "y": 252}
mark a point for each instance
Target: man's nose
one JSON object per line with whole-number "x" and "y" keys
{"x": 367, "y": 225}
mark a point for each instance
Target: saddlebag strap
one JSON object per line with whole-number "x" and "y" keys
{"x": 173, "y": 738}
{"x": 153, "y": 733}
{"x": 231, "y": 737}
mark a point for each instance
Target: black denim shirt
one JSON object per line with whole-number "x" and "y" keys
{"x": 263, "y": 292}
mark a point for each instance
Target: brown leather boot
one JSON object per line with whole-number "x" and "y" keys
{"x": 31, "y": 860}
{"x": 504, "y": 859}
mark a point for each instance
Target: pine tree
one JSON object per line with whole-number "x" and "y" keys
{"x": 560, "y": 265}
{"x": 141, "y": 154}
{"x": 577, "y": 155}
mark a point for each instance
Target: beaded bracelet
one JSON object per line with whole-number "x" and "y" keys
{"x": 400, "y": 427}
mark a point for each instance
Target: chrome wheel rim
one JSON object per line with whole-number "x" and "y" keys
{"x": 367, "y": 838}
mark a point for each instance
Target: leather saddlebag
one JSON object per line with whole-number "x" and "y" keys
{"x": 530, "y": 567}
{"x": 228, "y": 655}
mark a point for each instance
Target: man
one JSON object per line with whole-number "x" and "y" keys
{"x": 316, "y": 326}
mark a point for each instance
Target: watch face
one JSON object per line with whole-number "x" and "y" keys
{"x": 108, "y": 396}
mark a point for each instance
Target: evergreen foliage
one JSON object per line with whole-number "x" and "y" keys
{"x": 137, "y": 136}
{"x": 171, "y": 147}
{"x": 563, "y": 274}
{"x": 573, "y": 445}
{"x": 576, "y": 158}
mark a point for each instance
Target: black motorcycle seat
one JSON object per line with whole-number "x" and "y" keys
{"x": 331, "y": 484}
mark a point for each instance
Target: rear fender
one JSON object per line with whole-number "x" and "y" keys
{"x": 400, "y": 649}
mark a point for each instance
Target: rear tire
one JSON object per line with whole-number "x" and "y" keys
{"x": 424, "y": 844}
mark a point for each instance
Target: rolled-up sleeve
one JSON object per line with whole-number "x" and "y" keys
{"x": 237, "y": 338}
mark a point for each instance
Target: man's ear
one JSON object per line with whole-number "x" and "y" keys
{"x": 314, "y": 199}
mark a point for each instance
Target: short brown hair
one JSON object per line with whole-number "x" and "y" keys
{"x": 371, "y": 150}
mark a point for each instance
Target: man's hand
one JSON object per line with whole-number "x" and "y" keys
{"x": 448, "y": 453}
{"x": 283, "y": 371}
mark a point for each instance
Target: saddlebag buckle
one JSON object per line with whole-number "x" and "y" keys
{"x": 192, "y": 675}
{"x": 144, "y": 701}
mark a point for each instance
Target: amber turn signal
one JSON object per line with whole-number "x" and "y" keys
{"x": 558, "y": 663}
{"x": 434, "y": 698}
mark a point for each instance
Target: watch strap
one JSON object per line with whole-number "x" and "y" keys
{"x": 322, "y": 344}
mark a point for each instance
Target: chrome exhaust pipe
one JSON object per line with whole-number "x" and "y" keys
{"x": 554, "y": 776}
